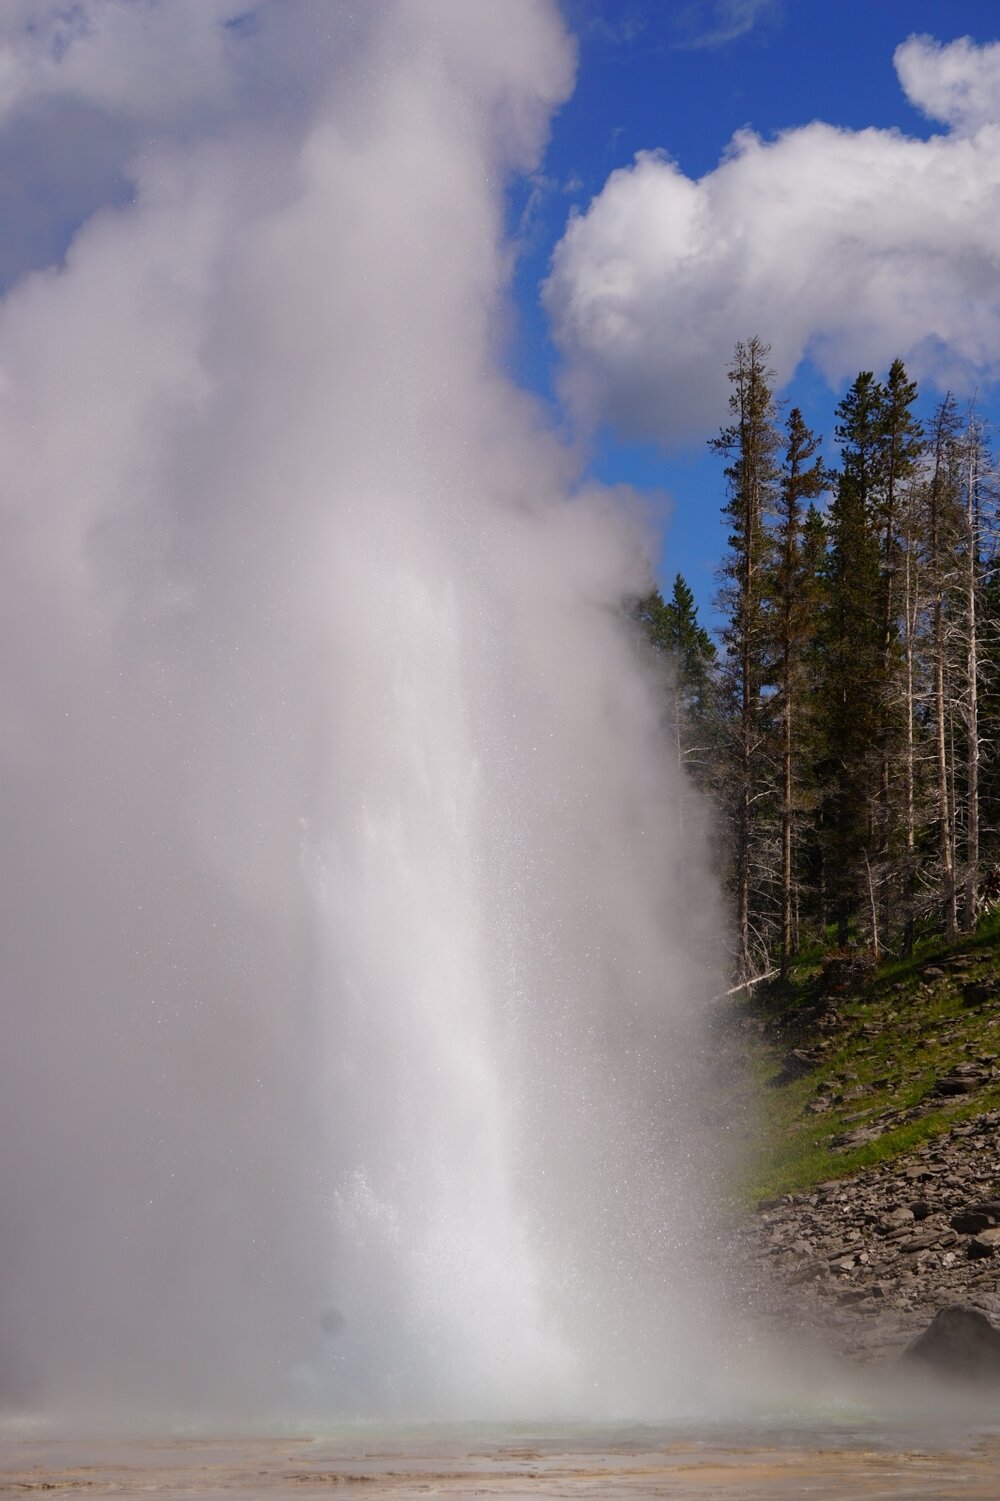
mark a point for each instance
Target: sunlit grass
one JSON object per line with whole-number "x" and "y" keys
{"x": 920, "y": 1028}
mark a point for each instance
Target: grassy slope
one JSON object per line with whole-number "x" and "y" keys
{"x": 898, "y": 1033}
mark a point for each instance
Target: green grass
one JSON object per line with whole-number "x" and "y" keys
{"x": 920, "y": 1029}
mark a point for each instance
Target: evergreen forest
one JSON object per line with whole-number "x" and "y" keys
{"x": 846, "y": 725}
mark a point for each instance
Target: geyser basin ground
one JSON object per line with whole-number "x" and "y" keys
{"x": 762, "y": 1464}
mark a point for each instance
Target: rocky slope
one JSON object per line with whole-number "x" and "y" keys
{"x": 881, "y": 1103}
{"x": 868, "y": 1260}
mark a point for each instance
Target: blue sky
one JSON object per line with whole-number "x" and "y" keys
{"x": 682, "y": 79}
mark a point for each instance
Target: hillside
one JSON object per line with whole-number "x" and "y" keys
{"x": 856, "y": 1067}
{"x": 877, "y": 1182}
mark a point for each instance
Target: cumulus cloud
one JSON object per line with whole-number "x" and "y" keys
{"x": 848, "y": 247}
{"x": 958, "y": 84}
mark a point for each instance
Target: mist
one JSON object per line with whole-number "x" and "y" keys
{"x": 354, "y": 951}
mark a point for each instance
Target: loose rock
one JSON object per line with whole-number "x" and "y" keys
{"x": 961, "y": 1342}
{"x": 901, "y": 1259}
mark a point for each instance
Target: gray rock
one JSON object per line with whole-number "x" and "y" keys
{"x": 920, "y": 1242}
{"x": 989, "y": 1207}
{"x": 795, "y": 1065}
{"x": 954, "y": 1084}
{"x": 961, "y": 1342}
{"x": 970, "y": 1221}
{"x": 843, "y": 1261}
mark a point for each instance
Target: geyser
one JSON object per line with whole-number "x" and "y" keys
{"x": 353, "y": 948}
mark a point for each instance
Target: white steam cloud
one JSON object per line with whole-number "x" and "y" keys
{"x": 347, "y": 977}
{"x": 849, "y": 247}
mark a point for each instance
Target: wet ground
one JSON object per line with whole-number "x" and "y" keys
{"x": 761, "y": 1465}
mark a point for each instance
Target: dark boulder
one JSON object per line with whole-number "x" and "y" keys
{"x": 970, "y": 1221}
{"x": 976, "y": 993}
{"x": 989, "y": 1207}
{"x": 795, "y": 1065}
{"x": 959, "y": 1342}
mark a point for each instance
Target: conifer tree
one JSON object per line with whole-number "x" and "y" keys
{"x": 853, "y": 659}
{"x": 811, "y": 725}
{"x": 750, "y": 444}
{"x": 900, "y": 438}
{"x": 793, "y": 601}
{"x": 672, "y": 628}
{"x": 901, "y": 442}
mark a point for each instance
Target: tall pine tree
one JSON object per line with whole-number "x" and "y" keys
{"x": 901, "y": 444}
{"x": 793, "y": 598}
{"x": 853, "y": 648}
{"x": 750, "y": 444}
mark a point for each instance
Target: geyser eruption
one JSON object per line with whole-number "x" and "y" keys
{"x": 353, "y": 945}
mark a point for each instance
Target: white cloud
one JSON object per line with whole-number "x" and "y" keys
{"x": 714, "y": 23}
{"x": 847, "y": 246}
{"x": 958, "y": 84}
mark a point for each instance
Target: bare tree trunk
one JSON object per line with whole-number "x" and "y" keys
{"x": 909, "y": 778}
{"x": 679, "y": 747}
{"x": 872, "y": 910}
{"x": 945, "y": 845}
{"x": 743, "y": 830}
{"x": 970, "y": 895}
{"x": 787, "y": 934}
{"x": 939, "y": 498}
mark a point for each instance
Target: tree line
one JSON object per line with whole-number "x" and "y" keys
{"x": 848, "y": 730}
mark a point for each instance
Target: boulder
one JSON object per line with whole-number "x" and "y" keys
{"x": 960, "y": 1342}
{"x": 976, "y": 993}
{"x": 970, "y": 1221}
{"x": 989, "y": 1207}
{"x": 954, "y": 1084}
{"x": 795, "y": 1065}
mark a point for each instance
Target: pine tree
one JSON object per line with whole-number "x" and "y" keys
{"x": 900, "y": 437}
{"x": 901, "y": 442}
{"x": 792, "y": 592}
{"x": 750, "y": 444}
{"x": 811, "y": 719}
{"x": 673, "y": 630}
{"x": 854, "y": 660}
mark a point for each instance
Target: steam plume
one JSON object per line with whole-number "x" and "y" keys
{"x": 346, "y": 1005}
